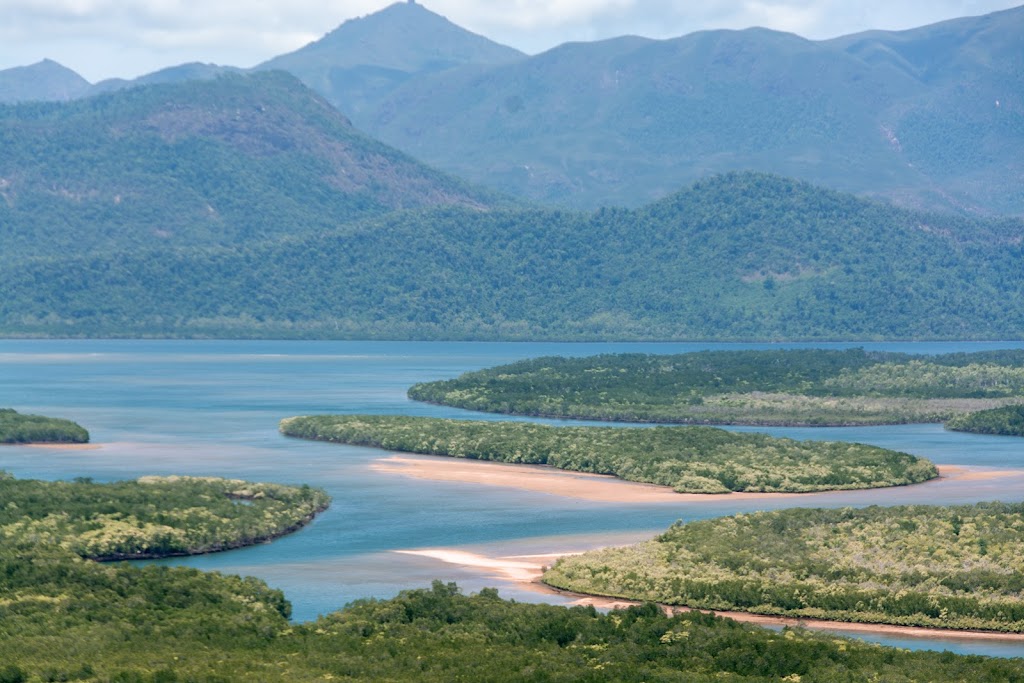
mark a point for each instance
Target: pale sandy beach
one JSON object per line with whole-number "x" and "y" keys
{"x": 527, "y": 570}
{"x": 596, "y": 487}
{"x": 63, "y": 446}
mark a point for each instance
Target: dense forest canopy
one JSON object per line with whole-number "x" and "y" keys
{"x": 737, "y": 257}
{"x": 689, "y": 459}
{"x": 801, "y": 386}
{"x": 947, "y": 567}
{"x": 78, "y": 621}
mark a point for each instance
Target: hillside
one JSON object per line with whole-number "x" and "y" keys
{"x": 357, "y": 64}
{"x": 213, "y": 162}
{"x": 929, "y": 118}
{"x": 741, "y": 256}
{"x": 193, "y": 71}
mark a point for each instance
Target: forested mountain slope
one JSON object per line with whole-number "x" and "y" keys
{"x": 214, "y": 162}
{"x": 928, "y": 118}
{"x": 741, "y": 256}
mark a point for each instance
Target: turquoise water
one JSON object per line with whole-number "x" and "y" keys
{"x": 212, "y": 408}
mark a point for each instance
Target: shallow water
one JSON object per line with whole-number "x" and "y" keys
{"x": 212, "y": 408}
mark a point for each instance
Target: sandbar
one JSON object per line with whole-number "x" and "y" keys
{"x": 526, "y": 571}
{"x": 964, "y": 473}
{"x": 601, "y": 488}
{"x": 61, "y": 446}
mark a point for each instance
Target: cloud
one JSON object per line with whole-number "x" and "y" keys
{"x": 102, "y": 38}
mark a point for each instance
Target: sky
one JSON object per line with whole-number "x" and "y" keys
{"x": 126, "y": 38}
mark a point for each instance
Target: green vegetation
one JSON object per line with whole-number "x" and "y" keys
{"x": 689, "y": 459}
{"x": 1006, "y": 421}
{"x": 796, "y": 387}
{"x": 220, "y": 162}
{"x": 739, "y": 257}
{"x": 18, "y": 428}
{"x": 79, "y": 621}
{"x": 159, "y": 624}
{"x": 151, "y": 517}
{"x": 64, "y": 618}
{"x": 946, "y": 567}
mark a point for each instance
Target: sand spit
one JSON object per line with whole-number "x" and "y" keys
{"x": 599, "y": 487}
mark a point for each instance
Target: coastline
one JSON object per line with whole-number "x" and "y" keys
{"x": 526, "y": 570}
{"x": 600, "y": 488}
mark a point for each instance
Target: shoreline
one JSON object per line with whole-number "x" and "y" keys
{"x": 56, "y": 445}
{"x": 59, "y": 445}
{"x": 526, "y": 571}
{"x": 605, "y": 488}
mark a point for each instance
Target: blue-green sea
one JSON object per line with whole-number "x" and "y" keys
{"x": 212, "y": 408}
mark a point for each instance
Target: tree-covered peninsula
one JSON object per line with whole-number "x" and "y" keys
{"x": 812, "y": 387}
{"x": 689, "y": 459}
{"x": 152, "y": 516}
{"x": 1005, "y": 421}
{"x": 16, "y": 427}
{"x": 945, "y": 567}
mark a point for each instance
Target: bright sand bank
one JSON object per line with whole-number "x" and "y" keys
{"x": 594, "y": 487}
{"x": 526, "y": 570}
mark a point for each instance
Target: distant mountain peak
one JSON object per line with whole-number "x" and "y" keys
{"x": 362, "y": 60}
{"x": 44, "y": 80}
{"x": 405, "y": 36}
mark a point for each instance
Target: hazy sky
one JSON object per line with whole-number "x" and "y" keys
{"x": 125, "y": 38}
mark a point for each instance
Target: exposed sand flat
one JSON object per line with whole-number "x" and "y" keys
{"x": 62, "y": 446}
{"x": 596, "y": 487}
{"x": 518, "y": 568}
{"x": 599, "y": 488}
{"x": 964, "y": 473}
{"x": 527, "y": 569}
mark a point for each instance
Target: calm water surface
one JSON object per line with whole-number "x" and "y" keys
{"x": 212, "y": 408}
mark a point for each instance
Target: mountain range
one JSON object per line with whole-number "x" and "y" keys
{"x": 204, "y": 201}
{"x": 927, "y": 118}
